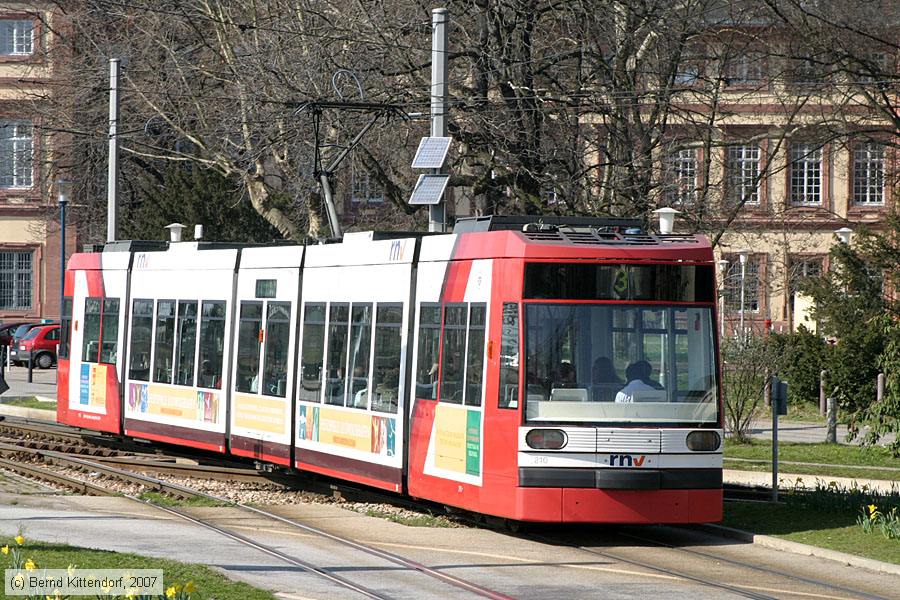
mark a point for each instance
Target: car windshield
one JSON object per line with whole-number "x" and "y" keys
{"x": 21, "y": 330}
{"x": 620, "y": 363}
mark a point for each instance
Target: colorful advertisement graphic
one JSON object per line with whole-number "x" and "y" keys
{"x": 383, "y": 435}
{"x": 260, "y": 414}
{"x": 84, "y": 396}
{"x": 92, "y": 387}
{"x": 457, "y": 443}
{"x": 308, "y": 423}
{"x": 357, "y": 430}
{"x": 182, "y": 403}
{"x": 473, "y": 443}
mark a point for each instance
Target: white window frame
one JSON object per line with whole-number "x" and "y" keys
{"x": 747, "y": 68}
{"x": 20, "y": 146}
{"x": 363, "y": 190}
{"x": 22, "y": 32}
{"x": 742, "y": 163}
{"x": 868, "y": 174}
{"x": 681, "y": 177}
{"x": 805, "y": 174}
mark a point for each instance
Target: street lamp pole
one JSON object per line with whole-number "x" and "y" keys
{"x": 723, "y": 272}
{"x": 62, "y": 196}
{"x": 743, "y": 258}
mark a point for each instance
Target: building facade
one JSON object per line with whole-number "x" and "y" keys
{"x": 29, "y": 226}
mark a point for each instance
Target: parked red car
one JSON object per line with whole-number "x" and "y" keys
{"x": 40, "y": 344}
{"x": 8, "y": 329}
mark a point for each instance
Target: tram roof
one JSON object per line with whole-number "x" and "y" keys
{"x": 474, "y": 238}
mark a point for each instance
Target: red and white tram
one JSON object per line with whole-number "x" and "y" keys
{"x": 538, "y": 373}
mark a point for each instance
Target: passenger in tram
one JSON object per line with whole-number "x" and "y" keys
{"x": 604, "y": 379}
{"x": 638, "y": 376}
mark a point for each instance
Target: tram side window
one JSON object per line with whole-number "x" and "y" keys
{"x": 509, "y": 356}
{"x": 386, "y": 359}
{"x": 360, "y": 347}
{"x": 91, "y": 346}
{"x": 65, "y": 328}
{"x": 109, "y": 345}
{"x": 428, "y": 351}
{"x": 246, "y": 378}
{"x": 278, "y": 333}
{"x": 313, "y": 352}
{"x": 165, "y": 341}
{"x": 475, "y": 355}
{"x": 453, "y": 354}
{"x": 336, "y": 363}
{"x": 141, "y": 329}
{"x": 212, "y": 344}
{"x": 187, "y": 343}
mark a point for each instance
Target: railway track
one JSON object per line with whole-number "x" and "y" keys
{"x": 123, "y": 467}
{"x": 184, "y": 492}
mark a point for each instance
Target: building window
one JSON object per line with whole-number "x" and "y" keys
{"x": 681, "y": 177}
{"x": 16, "y": 37}
{"x": 751, "y": 281}
{"x": 868, "y": 174}
{"x": 805, "y": 174}
{"x": 16, "y": 154}
{"x": 15, "y": 280}
{"x": 742, "y": 174}
{"x": 800, "y": 268}
{"x": 364, "y": 189}
{"x": 745, "y": 69}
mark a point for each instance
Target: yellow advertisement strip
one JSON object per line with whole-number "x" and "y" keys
{"x": 98, "y": 385}
{"x": 450, "y": 438}
{"x": 343, "y": 428}
{"x": 260, "y": 414}
{"x": 172, "y": 402}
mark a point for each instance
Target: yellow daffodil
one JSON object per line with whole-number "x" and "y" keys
{"x": 171, "y": 591}
{"x": 5, "y": 549}
{"x": 872, "y": 508}
{"x": 129, "y": 595}
{"x": 189, "y": 587}
{"x": 19, "y": 540}
{"x": 30, "y": 565}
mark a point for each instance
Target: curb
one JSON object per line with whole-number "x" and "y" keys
{"x": 28, "y": 413}
{"x": 775, "y": 543}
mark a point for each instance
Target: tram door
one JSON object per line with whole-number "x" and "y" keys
{"x": 447, "y": 419}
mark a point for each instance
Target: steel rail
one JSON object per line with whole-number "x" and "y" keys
{"x": 738, "y": 563}
{"x": 662, "y": 570}
{"x": 35, "y": 472}
{"x": 183, "y": 491}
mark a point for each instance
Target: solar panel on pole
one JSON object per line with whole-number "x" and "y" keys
{"x": 432, "y": 153}
{"x": 429, "y": 189}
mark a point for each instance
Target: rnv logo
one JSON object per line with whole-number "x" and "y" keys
{"x": 626, "y": 460}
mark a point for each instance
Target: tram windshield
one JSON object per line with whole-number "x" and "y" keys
{"x": 633, "y": 363}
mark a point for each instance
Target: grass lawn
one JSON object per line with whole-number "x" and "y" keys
{"x": 843, "y": 457}
{"x": 29, "y": 402}
{"x": 209, "y": 583}
{"x": 822, "y": 526}
{"x": 797, "y": 411}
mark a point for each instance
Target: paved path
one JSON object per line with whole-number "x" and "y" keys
{"x": 788, "y": 481}
{"x": 799, "y": 431}
{"x": 42, "y": 386}
{"x": 515, "y": 565}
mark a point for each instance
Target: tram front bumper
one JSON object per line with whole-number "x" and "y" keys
{"x": 620, "y": 479}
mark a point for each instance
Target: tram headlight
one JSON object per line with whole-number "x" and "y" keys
{"x": 546, "y": 439}
{"x": 703, "y": 440}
